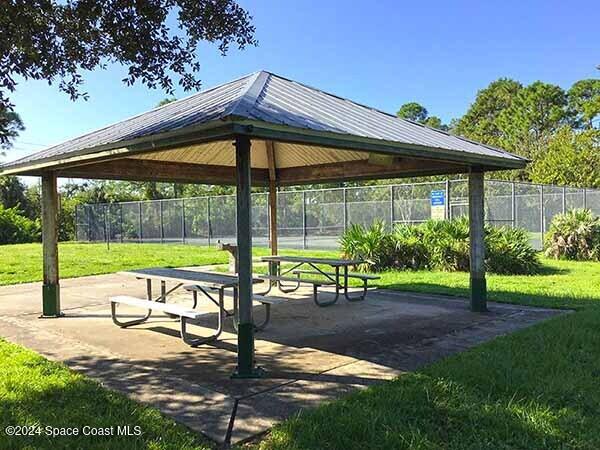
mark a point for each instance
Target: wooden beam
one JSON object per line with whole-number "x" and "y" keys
{"x": 245, "y": 366}
{"x": 164, "y": 171}
{"x": 272, "y": 164}
{"x": 270, "y": 145}
{"x": 51, "y": 285}
{"x": 363, "y": 169}
{"x": 477, "y": 242}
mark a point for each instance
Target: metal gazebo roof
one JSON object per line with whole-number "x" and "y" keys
{"x": 312, "y": 136}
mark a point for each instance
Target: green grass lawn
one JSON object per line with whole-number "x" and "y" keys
{"x": 22, "y": 263}
{"x": 38, "y": 393}
{"x": 537, "y": 388}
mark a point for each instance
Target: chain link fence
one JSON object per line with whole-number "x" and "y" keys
{"x": 315, "y": 219}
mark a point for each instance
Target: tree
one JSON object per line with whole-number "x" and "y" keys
{"x": 12, "y": 194}
{"x": 413, "y": 111}
{"x": 435, "y": 122}
{"x": 10, "y": 126}
{"x": 537, "y": 111}
{"x": 480, "y": 122}
{"x": 584, "y": 102}
{"x": 418, "y": 113}
{"x": 572, "y": 158}
{"x": 57, "y": 41}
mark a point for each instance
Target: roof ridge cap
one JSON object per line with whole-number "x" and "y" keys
{"x": 249, "y": 96}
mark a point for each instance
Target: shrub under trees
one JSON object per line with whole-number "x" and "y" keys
{"x": 438, "y": 245}
{"x": 16, "y": 228}
{"x": 574, "y": 235}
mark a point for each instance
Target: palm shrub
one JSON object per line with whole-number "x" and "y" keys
{"x": 410, "y": 251}
{"x": 448, "y": 243}
{"x": 574, "y": 235}
{"x": 372, "y": 245}
{"x": 440, "y": 245}
{"x": 508, "y": 251}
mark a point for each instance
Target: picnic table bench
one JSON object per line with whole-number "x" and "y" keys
{"x": 326, "y": 277}
{"x": 196, "y": 281}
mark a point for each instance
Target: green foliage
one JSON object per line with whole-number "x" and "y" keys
{"x": 372, "y": 245}
{"x": 508, "y": 251}
{"x": 16, "y": 228}
{"x": 536, "y": 112}
{"x": 480, "y": 122}
{"x": 574, "y": 235}
{"x": 584, "y": 102}
{"x": 541, "y": 122}
{"x": 156, "y": 41}
{"x": 410, "y": 250}
{"x": 10, "y": 127}
{"x": 413, "y": 111}
{"x": 418, "y": 113}
{"x": 571, "y": 158}
{"x": 438, "y": 245}
{"x": 13, "y": 194}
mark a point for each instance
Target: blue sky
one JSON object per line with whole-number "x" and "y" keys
{"x": 380, "y": 53}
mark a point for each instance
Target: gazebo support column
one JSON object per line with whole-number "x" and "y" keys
{"x": 245, "y": 366}
{"x": 272, "y": 204}
{"x": 477, "y": 247}
{"x": 51, "y": 287}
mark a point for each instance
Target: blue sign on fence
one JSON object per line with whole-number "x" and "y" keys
{"x": 438, "y": 198}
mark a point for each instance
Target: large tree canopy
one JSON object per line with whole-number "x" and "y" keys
{"x": 56, "y": 41}
{"x": 418, "y": 113}
{"x": 413, "y": 111}
{"x": 480, "y": 122}
{"x": 584, "y": 102}
{"x": 535, "y": 112}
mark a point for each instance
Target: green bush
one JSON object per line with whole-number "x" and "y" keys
{"x": 574, "y": 235}
{"x": 440, "y": 245}
{"x": 410, "y": 251}
{"x": 17, "y": 229}
{"x": 372, "y": 245}
{"x": 508, "y": 251}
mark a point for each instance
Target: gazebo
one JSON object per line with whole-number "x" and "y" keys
{"x": 264, "y": 130}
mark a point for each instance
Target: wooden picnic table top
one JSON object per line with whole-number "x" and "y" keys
{"x": 310, "y": 260}
{"x": 216, "y": 280}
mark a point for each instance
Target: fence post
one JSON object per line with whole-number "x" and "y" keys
{"x": 162, "y": 231}
{"x": 584, "y": 198}
{"x": 447, "y": 187}
{"x": 513, "y": 205}
{"x": 392, "y": 206}
{"x": 542, "y": 215}
{"x": 345, "y": 201}
{"x": 140, "y": 234}
{"x": 106, "y": 227}
{"x": 121, "y": 221}
{"x": 183, "y": 220}
{"x": 564, "y": 199}
{"x": 208, "y": 219}
{"x": 304, "y": 220}
{"x": 89, "y": 223}
{"x": 76, "y": 222}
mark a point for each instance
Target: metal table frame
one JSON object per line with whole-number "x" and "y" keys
{"x": 313, "y": 263}
{"x": 195, "y": 278}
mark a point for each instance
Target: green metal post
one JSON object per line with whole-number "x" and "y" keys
{"x": 51, "y": 287}
{"x": 476, "y": 237}
{"x": 245, "y": 367}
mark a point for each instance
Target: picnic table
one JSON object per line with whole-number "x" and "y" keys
{"x": 193, "y": 281}
{"x": 303, "y": 266}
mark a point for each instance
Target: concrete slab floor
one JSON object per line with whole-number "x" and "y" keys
{"x": 310, "y": 354}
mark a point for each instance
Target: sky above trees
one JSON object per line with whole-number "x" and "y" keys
{"x": 383, "y": 54}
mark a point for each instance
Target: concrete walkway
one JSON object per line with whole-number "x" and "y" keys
{"x": 310, "y": 354}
